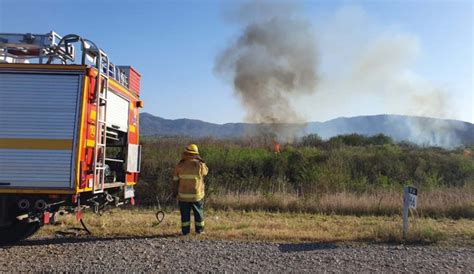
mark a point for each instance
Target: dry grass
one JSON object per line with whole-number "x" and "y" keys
{"x": 277, "y": 227}
{"x": 452, "y": 203}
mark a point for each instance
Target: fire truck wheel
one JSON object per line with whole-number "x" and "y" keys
{"x": 18, "y": 231}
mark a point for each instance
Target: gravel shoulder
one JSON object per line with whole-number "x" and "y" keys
{"x": 59, "y": 253}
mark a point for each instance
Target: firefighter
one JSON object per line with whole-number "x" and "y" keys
{"x": 188, "y": 188}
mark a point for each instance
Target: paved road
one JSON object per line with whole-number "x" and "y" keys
{"x": 181, "y": 254}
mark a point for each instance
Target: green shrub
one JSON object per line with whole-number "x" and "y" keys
{"x": 353, "y": 163}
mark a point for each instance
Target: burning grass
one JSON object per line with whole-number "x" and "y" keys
{"x": 277, "y": 227}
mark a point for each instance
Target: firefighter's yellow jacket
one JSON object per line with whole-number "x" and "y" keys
{"x": 188, "y": 178}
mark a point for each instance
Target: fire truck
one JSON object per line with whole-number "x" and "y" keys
{"x": 69, "y": 131}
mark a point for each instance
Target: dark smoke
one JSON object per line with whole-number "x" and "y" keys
{"x": 271, "y": 61}
{"x": 368, "y": 69}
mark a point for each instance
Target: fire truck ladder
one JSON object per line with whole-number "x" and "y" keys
{"x": 102, "y": 87}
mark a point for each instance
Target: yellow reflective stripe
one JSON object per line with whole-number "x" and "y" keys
{"x": 36, "y": 191}
{"x": 93, "y": 115}
{"x": 201, "y": 224}
{"x": 90, "y": 143}
{"x": 189, "y": 176}
{"x": 48, "y": 144}
{"x": 81, "y": 131}
{"x": 185, "y": 223}
{"x": 190, "y": 196}
{"x": 175, "y": 178}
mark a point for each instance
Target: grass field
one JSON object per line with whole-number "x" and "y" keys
{"x": 347, "y": 166}
{"x": 275, "y": 227}
{"x": 346, "y": 189}
{"x": 351, "y": 175}
{"x": 439, "y": 203}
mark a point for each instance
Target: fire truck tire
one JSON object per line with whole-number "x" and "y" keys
{"x": 18, "y": 231}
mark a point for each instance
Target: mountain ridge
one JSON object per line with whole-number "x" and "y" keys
{"x": 421, "y": 130}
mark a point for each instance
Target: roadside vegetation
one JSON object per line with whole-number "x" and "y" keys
{"x": 346, "y": 189}
{"x": 273, "y": 227}
{"x": 345, "y": 175}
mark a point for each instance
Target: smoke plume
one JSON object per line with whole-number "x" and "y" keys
{"x": 271, "y": 62}
{"x": 365, "y": 68}
{"x": 371, "y": 69}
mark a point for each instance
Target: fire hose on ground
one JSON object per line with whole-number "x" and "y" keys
{"x": 160, "y": 214}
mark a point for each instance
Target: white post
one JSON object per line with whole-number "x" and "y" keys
{"x": 405, "y": 211}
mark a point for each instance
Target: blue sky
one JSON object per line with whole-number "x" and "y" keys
{"x": 173, "y": 44}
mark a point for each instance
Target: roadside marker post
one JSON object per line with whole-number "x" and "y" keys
{"x": 409, "y": 202}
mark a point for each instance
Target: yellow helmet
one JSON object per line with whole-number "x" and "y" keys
{"x": 192, "y": 148}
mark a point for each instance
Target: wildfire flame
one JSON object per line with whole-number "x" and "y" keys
{"x": 276, "y": 146}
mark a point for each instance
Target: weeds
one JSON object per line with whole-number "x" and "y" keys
{"x": 350, "y": 174}
{"x": 277, "y": 227}
{"x": 453, "y": 203}
{"x": 418, "y": 234}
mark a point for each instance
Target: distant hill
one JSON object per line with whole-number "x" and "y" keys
{"x": 421, "y": 130}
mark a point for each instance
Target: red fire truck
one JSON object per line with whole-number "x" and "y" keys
{"x": 69, "y": 130}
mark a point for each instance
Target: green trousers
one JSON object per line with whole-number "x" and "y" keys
{"x": 198, "y": 210}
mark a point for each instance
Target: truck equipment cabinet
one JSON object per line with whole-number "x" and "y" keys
{"x": 69, "y": 130}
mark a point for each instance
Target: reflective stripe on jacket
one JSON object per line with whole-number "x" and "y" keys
{"x": 188, "y": 178}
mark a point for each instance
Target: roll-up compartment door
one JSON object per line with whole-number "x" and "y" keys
{"x": 38, "y": 126}
{"x": 117, "y": 112}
